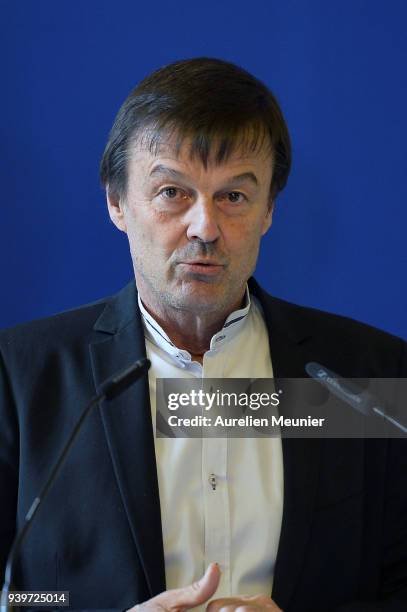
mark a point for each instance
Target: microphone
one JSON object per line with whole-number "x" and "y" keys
{"x": 116, "y": 384}
{"x": 108, "y": 390}
{"x": 350, "y": 393}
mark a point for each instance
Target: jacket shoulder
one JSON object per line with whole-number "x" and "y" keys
{"x": 348, "y": 345}
{"x": 315, "y": 320}
{"x": 67, "y": 326}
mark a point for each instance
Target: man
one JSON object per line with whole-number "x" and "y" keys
{"x": 192, "y": 169}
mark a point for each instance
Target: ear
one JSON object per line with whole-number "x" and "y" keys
{"x": 115, "y": 206}
{"x": 268, "y": 218}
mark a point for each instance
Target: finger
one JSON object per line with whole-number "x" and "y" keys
{"x": 226, "y": 603}
{"x": 194, "y": 594}
{"x": 240, "y": 606}
{"x": 255, "y": 607}
{"x": 243, "y": 603}
{"x": 198, "y": 592}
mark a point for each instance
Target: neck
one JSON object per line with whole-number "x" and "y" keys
{"x": 187, "y": 330}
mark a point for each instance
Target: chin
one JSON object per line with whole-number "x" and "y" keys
{"x": 197, "y": 305}
{"x": 197, "y": 301}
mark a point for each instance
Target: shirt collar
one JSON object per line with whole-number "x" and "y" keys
{"x": 234, "y": 322}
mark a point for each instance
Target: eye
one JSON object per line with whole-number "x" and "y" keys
{"x": 172, "y": 193}
{"x": 235, "y": 197}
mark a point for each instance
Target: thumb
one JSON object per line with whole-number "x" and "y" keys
{"x": 194, "y": 594}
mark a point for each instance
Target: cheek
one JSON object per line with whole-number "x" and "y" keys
{"x": 141, "y": 226}
{"x": 155, "y": 235}
{"x": 244, "y": 236}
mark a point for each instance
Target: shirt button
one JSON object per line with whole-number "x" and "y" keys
{"x": 212, "y": 481}
{"x": 219, "y": 338}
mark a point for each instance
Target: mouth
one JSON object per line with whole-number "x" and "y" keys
{"x": 202, "y": 267}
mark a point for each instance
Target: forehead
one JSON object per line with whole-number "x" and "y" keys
{"x": 170, "y": 152}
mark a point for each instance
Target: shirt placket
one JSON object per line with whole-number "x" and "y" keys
{"x": 215, "y": 491}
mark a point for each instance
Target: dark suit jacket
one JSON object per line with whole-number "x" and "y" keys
{"x": 344, "y": 529}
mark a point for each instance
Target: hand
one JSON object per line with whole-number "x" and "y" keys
{"x": 178, "y": 600}
{"x": 243, "y": 603}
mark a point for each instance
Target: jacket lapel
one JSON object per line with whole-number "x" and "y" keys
{"x": 128, "y": 428}
{"x": 129, "y": 433}
{"x": 289, "y": 348}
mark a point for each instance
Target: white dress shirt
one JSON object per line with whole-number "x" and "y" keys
{"x": 221, "y": 498}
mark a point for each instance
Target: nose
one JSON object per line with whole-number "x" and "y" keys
{"x": 202, "y": 221}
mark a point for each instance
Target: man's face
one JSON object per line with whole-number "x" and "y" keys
{"x": 194, "y": 233}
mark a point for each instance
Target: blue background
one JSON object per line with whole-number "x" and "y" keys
{"x": 339, "y": 71}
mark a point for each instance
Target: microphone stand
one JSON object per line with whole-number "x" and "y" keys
{"x": 108, "y": 390}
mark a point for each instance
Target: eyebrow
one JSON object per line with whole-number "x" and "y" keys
{"x": 168, "y": 171}
{"x": 160, "y": 169}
